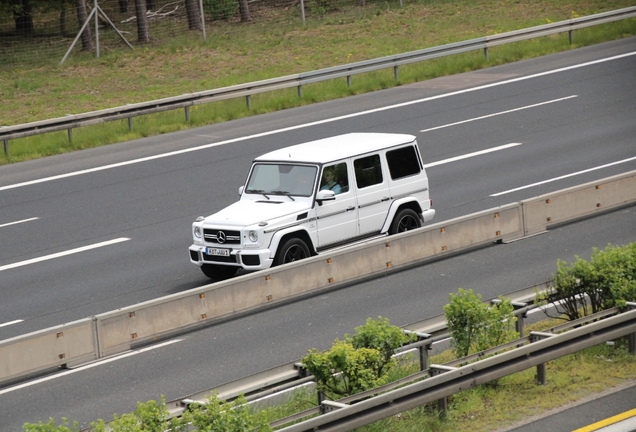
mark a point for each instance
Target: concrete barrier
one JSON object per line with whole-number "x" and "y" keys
{"x": 64, "y": 345}
{"x": 578, "y": 201}
{"x": 117, "y": 331}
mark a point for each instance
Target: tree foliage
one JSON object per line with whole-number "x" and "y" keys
{"x": 476, "y": 326}
{"x": 607, "y": 280}
{"x": 357, "y": 363}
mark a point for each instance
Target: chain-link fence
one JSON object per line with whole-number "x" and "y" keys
{"x": 39, "y": 31}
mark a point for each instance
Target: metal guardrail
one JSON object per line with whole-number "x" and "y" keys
{"x": 278, "y": 379}
{"x": 246, "y": 90}
{"x": 445, "y": 380}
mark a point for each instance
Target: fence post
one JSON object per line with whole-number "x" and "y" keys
{"x": 443, "y": 402}
{"x": 534, "y": 337}
{"x": 631, "y": 338}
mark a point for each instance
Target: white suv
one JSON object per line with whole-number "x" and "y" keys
{"x": 302, "y": 200}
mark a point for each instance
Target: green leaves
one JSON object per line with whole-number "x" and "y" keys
{"x": 607, "y": 280}
{"x": 475, "y": 326}
{"x": 357, "y": 363}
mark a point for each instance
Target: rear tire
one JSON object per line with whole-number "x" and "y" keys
{"x": 405, "y": 220}
{"x": 218, "y": 272}
{"x": 292, "y": 250}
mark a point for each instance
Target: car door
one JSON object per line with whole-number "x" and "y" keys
{"x": 336, "y": 220}
{"x": 373, "y": 196}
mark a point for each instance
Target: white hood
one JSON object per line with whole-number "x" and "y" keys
{"x": 248, "y": 212}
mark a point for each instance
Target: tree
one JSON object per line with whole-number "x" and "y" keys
{"x": 193, "y": 14}
{"x": 22, "y": 16}
{"x": 244, "y": 11}
{"x": 143, "y": 30}
{"x": 82, "y": 16}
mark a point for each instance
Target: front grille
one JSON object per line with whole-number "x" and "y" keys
{"x": 221, "y": 236}
{"x": 224, "y": 259}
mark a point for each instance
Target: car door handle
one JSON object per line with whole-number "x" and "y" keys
{"x": 350, "y": 208}
{"x": 385, "y": 199}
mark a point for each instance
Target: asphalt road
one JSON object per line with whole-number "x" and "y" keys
{"x": 572, "y": 114}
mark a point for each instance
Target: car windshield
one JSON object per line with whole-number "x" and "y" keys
{"x": 282, "y": 179}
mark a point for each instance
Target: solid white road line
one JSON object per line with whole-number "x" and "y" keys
{"x": 88, "y": 366}
{"x": 319, "y": 122}
{"x": 19, "y": 222}
{"x": 498, "y": 113}
{"x": 469, "y": 155}
{"x": 11, "y": 323}
{"x": 563, "y": 176}
{"x": 61, "y": 254}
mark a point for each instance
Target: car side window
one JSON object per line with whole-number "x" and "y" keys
{"x": 368, "y": 171}
{"x": 335, "y": 178}
{"x": 403, "y": 162}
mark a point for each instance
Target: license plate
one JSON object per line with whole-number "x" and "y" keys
{"x": 217, "y": 252}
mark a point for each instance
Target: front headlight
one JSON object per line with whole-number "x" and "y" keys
{"x": 253, "y": 235}
{"x": 197, "y": 232}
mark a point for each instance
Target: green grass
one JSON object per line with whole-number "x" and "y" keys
{"x": 235, "y": 54}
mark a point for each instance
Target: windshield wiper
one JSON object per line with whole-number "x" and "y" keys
{"x": 259, "y": 191}
{"x": 287, "y": 194}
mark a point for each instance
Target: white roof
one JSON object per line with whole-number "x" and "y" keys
{"x": 337, "y": 147}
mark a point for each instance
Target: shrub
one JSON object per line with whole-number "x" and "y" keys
{"x": 607, "y": 280}
{"x": 357, "y": 363}
{"x": 475, "y": 326}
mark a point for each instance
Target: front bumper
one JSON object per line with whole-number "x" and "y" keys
{"x": 249, "y": 259}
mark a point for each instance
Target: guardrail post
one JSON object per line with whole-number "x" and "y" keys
{"x": 631, "y": 338}
{"x": 486, "y": 53}
{"x": 534, "y": 337}
{"x": 70, "y": 135}
{"x": 6, "y": 147}
{"x": 300, "y": 91}
{"x": 130, "y": 123}
{"x": 248, "y": 101}
{"x": 395, "y": 72}
{"x": 442, "y": 404}
{"x": 348, "y": 80}
{"x": 570, "y": 35}
{"x": 187, "y": 113}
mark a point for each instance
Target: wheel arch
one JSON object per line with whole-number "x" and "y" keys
{"x": 395, "y": 208}
{"x": 283, "y": 235}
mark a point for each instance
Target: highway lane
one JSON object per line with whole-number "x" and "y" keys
{"x": 571, "y": 113}
{"x": 587, "y": 123}
{"x": 203, "y": 359}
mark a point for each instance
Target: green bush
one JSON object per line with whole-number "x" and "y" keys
{"x": 219, "y": 10}
{"x": 357, "y": 363}
{"x": 607, "y": 280}
{"x": 475, "y": 326}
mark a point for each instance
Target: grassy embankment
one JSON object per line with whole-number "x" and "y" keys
{"x": 237, "y": 53}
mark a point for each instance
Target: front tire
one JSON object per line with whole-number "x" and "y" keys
{"x": 405, "y": 220}
{"x": 294, "y": 249}
{"x": 218, "y": 272}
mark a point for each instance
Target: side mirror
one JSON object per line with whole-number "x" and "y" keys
{"x": 241, "y": 190}
{"x": 325, "y": 195}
